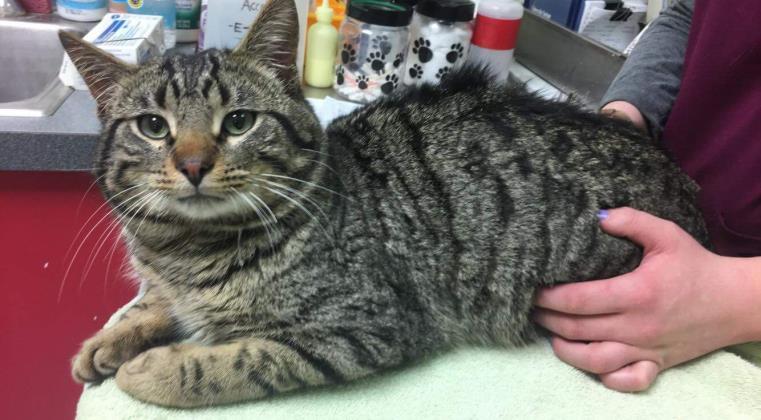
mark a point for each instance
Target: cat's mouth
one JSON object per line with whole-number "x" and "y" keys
{"x": 199, "y": 197}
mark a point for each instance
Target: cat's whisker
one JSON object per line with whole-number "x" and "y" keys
{"x": 104, "y": 236}
{"x": 153, "y": 202}
{"x": 113, "y": 225}
{"x": 116, "y": 243}
{"x": 115, "y": 246}
{"x": 107, "y": 232}
{"x": 92, "y": 184}
{"x": 312, "y": 184}
{"x": 84, "y": 239}
{"x": 104, "y": 168}
{"x": 258, "y": 212}
{"x": 104, "y": 204}
{"x": 266, "y": 218}
{"x": 111, "y": 253}
{"x": 326, "y": 166}
{"x": 299, "y": 194}
{"x": 316, "y": 151}
{"x": 266, "y": 207}
{"x": 273, "y": 218}
{"x": 300, "y": 206}
{"x": 269, "y": 224}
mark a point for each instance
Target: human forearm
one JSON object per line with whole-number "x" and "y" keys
{"x": 650, "y": 78}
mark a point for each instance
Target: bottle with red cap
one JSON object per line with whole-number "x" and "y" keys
{"x": 495, "y": 34}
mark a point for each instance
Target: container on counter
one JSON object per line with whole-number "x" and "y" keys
{"x": 164, "y": 8}
{"x": 131, "y": 38}
{"x": 371, "y": 50}
{"x": 82, "y": 10}
{"x": 117, "y": 6}
{"x": 188, "y": 16}
{"x": 495, "y": 35}
{"x": 439, "y": 39}
{"x": 322, "y": 41}
{"x": 37, "y": 6}
{"x": 202, "y": 24}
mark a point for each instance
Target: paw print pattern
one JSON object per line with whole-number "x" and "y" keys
{"x": 391, "y": 82}
{"x": 340, "y": 75}
{"x": 377, "y": 61}
{"x": 416, "y": 72}
{"x": 455, "y": 52}
{"x": 398, "y": 60}
{"x": 382, "y": 44}
{"x": 422, "y": 47}
{"x": 362, "y": 81}
{"x": 348, "y": 54}
{"x": 442, "y": 72}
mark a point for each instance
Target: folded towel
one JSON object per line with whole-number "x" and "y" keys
{"x": 528, "y": 382}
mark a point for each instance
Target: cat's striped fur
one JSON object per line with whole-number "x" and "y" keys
{"x": 421, "y": 222}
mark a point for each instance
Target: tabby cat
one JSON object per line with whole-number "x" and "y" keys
{"x": 275, "y": 256}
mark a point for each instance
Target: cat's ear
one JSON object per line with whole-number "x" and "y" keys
{"x": 100, "y": 70}
{"x": 274, "y": 37}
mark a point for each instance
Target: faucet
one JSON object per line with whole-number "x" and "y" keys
{"x": 10, "y": 8}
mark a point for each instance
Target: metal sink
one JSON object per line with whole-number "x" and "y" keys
{"x": 30, "y": 57}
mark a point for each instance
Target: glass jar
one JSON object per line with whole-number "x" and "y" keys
{"x": 371, "y": 50}
{"x": 439, "y": 39}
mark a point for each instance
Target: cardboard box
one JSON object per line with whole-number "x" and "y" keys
{"x": 130, "y": 38}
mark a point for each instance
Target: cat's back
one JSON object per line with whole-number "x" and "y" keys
{"x": 469, "y": 127}
{"x": 472, "y": 150}
{"x": 469, "y": 108}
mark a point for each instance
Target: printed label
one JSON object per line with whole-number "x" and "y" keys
{"x": 496, "y": 34}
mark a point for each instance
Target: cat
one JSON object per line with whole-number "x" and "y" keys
{"x": 274, "y": 255}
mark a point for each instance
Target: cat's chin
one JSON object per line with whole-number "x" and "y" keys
{"x": 201, "y": 207}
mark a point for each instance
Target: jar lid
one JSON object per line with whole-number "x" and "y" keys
{"x": 379, "y": 12}
{"x": 410, "y": 3}
{"x": 448, "y": 10}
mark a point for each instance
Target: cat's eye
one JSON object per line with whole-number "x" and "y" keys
{"x": 153, "y": 126}
{"x": 238, "y": 122}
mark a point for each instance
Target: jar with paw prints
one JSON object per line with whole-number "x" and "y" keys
{"x": 371, "y": 51}
{"x": 439, "y": 39}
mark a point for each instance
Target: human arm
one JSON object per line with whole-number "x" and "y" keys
{"x": 646, "y": 87}
{"x": 681, "y": 302}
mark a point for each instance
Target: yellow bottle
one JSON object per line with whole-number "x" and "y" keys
{"x": 322, "y": 45}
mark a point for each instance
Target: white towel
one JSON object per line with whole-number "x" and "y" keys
{"x": 525, "y": 383}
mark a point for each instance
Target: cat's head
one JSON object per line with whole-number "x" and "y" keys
{"x": 206, "y": 137}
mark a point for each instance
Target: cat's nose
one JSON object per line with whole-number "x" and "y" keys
{"x": 194, "y": 169}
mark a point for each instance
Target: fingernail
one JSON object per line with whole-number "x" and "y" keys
{"x": 602, "y": 215}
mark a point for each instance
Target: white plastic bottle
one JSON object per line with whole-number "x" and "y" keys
{"x": 188, "y": 13}
{"x": 495, "y": 34}
{"x": 82, "y": 10}
{"x": 164, "y": 8}
{"x": 322, "y": 46}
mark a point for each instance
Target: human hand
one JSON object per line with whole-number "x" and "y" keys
{"x": 625, "y": 111}
{"x": 680, "y": 303}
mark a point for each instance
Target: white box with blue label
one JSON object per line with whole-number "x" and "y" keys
{"x": 131, "y": 38}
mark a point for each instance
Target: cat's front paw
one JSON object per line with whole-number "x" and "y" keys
{"x": 160, "y": 376}
{"x": 102, "y": 354}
